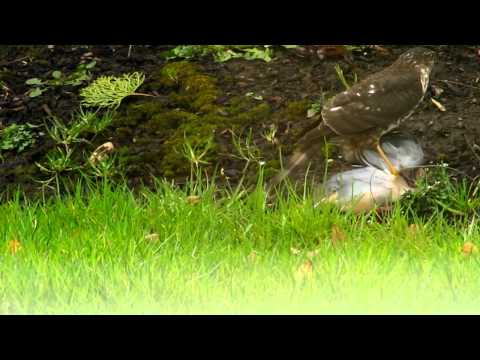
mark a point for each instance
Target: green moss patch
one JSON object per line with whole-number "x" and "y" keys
{"x": 152, "y": 133}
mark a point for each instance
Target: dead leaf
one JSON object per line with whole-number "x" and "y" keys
{"x": 193, "y": 199}
{"x": 252, "y": 257}
{"x": 438, "y": 105}
{"x": 152, "y": 237}
{"x": 381, "y": 50}
{"x": 338, "y": 235}
{"x": 469, "y": 248}
{"x": 304, "y": 271}
{"x": 14, "y": 246}
{"x": 101, "y": 153}
{"x": 331, "y": 51}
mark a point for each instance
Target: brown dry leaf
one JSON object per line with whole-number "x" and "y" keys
{"x": 438, "y": 105}
{"x": 304, "y": 271}
{"x": 469, "y": 248}
{"x": 193, "y": 199}
{"x": 101, "y": 153}
{"x": 252, "y": 257}
{"x": 338, "y": 235}
{"x": 152, "y": 237}
{"x": 331, "y": 51}
{"x": 381, "y": 50}
{"x": 14, "y": 246}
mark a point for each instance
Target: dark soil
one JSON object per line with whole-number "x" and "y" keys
{"x": 211, "y": 100}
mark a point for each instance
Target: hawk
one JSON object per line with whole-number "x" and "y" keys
{"x": 357, "y": 118}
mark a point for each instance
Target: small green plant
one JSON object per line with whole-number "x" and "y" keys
{"x": 254, "y": 96}
{"x": 94, "y": 122}
{"x": 60, "y": 160}
{"x": 83, "y": 121}
{"x": 253, "y": 53}
{"x": 104, "y": 166}
{"x": 247, "y": 150}
{"x": 195, "y": 155}
{"x": 270, "y": 135}
{"x": 358, "y": 48}
{"x": 80, "y": 75}
{"x": 342, "y": 78}
{"x": 63, "y": 134}
{"x": 17, "y": 137}
{"x": 316, "y": 107}
{"x": 438, "y": 194}
{"x": 109, "y": 91}
{"x": 223, "y": 53}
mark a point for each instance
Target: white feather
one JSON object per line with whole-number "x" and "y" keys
{"x": 364, "y": 188}
{"x": 404, "y": 152}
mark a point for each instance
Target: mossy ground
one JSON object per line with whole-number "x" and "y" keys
{"x": 152, "y": 132}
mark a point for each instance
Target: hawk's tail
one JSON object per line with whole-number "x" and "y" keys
{"x": 310, "y": 144}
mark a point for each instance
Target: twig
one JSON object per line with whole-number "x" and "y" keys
{"x": 13, "y": 61}
{"x": 471, "y": 147}
{"x": 47, "y": 109}
{"x": 142, "y": 94}
{"x": 459, "y": 83}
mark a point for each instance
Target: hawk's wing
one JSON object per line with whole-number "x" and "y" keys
{"x": 376, "y": 102}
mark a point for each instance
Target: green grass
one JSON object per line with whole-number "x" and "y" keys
{"x": 88, "y": 254}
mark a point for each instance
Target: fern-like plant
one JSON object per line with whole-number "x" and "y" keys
{"x": 109, "y": 91}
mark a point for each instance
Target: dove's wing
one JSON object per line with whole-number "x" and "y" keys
{"x": 352, "y": 184}
{"x": 403, "y": 151}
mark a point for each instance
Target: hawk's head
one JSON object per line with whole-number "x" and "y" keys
{"x": 418, "y": 56}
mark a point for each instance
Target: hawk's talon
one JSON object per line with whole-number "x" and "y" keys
{"x": 393, "y": 170}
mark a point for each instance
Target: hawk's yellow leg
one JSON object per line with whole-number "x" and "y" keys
{"x": 393, "y": 170}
